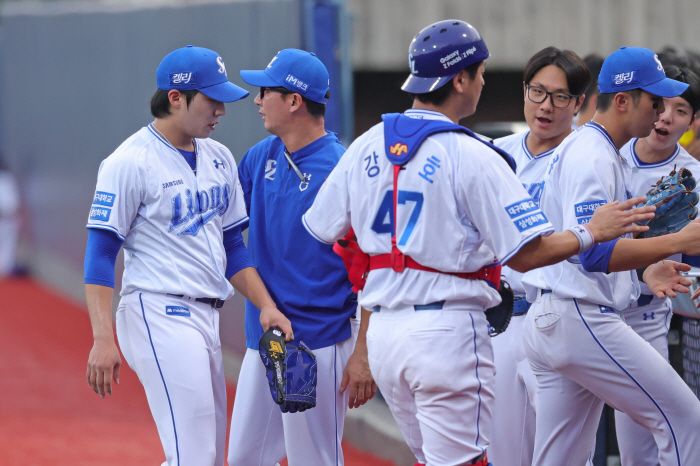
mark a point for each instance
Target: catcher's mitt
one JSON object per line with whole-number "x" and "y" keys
{"x": 291, "y": 372}
{"x": 675, "y": 203}
{"x": 499, "y": 316}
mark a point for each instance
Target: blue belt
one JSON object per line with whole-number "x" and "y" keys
{"x": 644, "y": 299}
{"x": 436, "y": 306}
{"x": 520, "y": 306}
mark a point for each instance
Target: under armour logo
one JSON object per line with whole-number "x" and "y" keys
{"x": 305, "y": 184}
{"x": 222, "y": 67}
{"x": 270, "y": 169}
{"x": 648, "y": 316}
{"x": 398, "y": 149}
{"x": 217, "y": 163}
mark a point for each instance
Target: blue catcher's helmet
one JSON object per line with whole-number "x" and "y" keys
{"x": 439, "y": 52}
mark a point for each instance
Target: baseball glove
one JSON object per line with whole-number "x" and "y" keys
{"x": 499, "y": 316}
{"x": 291, "y": 372}
{"x": 675, "y": 203}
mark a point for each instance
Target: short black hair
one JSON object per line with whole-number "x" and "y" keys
{"x": 605, "y": 100}
{"x": 685, "y": 75}
{"x": 315, "y": 109}
{"x": 594, "y": 62}
{"x": 577, "y": 75}
{"x": 160, "y": 103}
{"x": 439, "y": 95}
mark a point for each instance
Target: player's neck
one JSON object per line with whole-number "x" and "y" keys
{"x": 614, "y": 125}
{"x": 168, "y": 128}
{"x": 648, "y": 154}
{"x": 450, "y": 111}
{"x": 301, "y": 134}
{"x": 538, "y": 145}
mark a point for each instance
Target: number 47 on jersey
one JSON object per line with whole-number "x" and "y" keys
{"x": 384, "y": 220}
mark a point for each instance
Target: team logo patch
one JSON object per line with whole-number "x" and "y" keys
{"x": 103, "y": 198}
{"x": 398, "y": 149}
{"x": 586, "y": 209}
{"x": 184, "y": 77}
{"x": 222, "y": 67}
{"x": 521, "y": 207}
{"x": 623, "y": 79}
{"x": 177, "y": 311}
{"x": 296, "y": 82}
{"x": 530, "y": 221}
{"x": 100, "y": 213}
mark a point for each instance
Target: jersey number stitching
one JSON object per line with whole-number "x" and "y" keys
{"x": 381, "y": 226}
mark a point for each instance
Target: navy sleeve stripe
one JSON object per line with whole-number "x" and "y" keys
{"x": 105, "y": 227}
{"x": 235, "y": 224}
{"x": 311, "y": 232}
{"x": 517, "y": 249}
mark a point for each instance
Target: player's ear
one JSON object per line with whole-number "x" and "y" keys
{"x": 175, "y": 98}
{"x": 524, "y": 90}
{"x": 295, "y": 102}
{"x": 460, "y": 81}
{"x": 622, "y": 101}
{"x": 579, "y": 102}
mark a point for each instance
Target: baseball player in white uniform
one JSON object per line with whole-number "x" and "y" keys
{"x": 651, "y": 159}
{"x": 172, "y": 197}
{"x": 433, "y": 206}
{"x": 580, "y": 349}
{"x": 553, "y": 89}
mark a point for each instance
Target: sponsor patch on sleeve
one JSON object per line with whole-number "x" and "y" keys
{"x": 100, "y": 213}
{"x": 103, "y": 198}
{"x": 583, "y": 220}
{"x": 521, "y": 207}
{"x": 530, "y": 221}
{"x": 177, "y": 311}
{"x": 586, "y": 209}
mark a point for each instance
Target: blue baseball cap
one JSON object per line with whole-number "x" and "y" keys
{"x": 197, "y": 68}
{"x": 296, "y": 70}
{"x": 637, "y": 68}
{"x": 439, "y": 52}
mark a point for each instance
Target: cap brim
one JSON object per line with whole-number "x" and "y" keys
{"x": 225, "y": 92}
{"x": 416, "y": 85}
{"x": 258, "y": 78}
{"x": 667, "y": 87}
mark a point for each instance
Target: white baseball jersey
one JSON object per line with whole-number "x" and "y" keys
{"x": 171, "y": 219}
{"x": 585, "y": 171}
{"x": 531, "y": 170}
{"x": 644, "y": 175}
{"x": 453, "y": 189}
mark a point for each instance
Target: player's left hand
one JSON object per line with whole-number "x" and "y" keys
{"x": 615, "y": 219}
{"x": 273, "y": 317}
{"x": 664, "y": 279}
{"x": 358, "y": 378}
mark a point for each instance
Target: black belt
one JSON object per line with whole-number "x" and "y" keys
{"x": 216, "y": 303}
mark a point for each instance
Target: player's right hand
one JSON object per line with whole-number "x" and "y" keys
{"x": 273, "y": 317}
{"x": 615, "y": 219}
{"x": 104, "y": 363}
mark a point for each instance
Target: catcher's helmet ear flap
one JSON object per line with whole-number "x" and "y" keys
{"x": 439, "y": 52}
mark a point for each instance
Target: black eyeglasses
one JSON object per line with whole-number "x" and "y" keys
{"x": 558, "y": 99}
{"x": 280, "y": 89}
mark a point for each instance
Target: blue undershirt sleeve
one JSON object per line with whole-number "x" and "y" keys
{"x": 693, "y": 261}
{"x": 597, "y": 258}
{"x": 100, "y": 256}
{"x": 237, "y": 254}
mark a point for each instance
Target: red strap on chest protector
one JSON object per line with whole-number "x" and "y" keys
{"x": 360, "y": 264}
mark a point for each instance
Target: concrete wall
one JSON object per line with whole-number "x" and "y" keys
{"x": 515, "y": 29}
